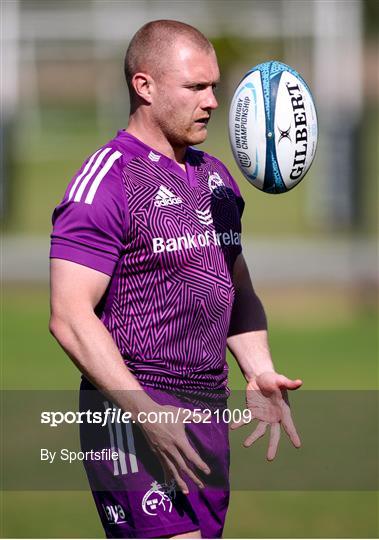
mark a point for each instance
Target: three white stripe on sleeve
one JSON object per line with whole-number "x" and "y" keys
{"x": 88, "y": 173}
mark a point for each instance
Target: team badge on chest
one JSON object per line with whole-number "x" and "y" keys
{"x": 217, "y": 186}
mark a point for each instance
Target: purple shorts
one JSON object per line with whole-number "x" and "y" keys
{"x": 130, "y": 493}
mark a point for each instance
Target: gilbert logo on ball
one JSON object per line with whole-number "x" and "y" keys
{"x": 273, "y": 127}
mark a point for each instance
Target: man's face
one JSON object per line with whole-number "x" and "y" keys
{"x": 184, "y": 97}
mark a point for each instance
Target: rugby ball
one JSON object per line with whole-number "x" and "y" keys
{"x": 273, "y": 127}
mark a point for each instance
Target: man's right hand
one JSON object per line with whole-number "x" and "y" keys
{"x": 168, "y": 440}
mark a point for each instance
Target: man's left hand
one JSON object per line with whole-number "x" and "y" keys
{"x": 267, "y": 400}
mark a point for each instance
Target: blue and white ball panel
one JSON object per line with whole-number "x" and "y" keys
{"x": 273, "y": 127}
{"x": 295, "y": 129}
{"x": 247, "y": 129}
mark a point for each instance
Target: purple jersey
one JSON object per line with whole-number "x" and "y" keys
{"x": 168, "y": 238}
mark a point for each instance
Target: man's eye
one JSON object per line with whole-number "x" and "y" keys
{"x": 200, "y": 87}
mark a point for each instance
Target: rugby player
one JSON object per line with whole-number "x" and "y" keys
{"x": 148, "y": 288}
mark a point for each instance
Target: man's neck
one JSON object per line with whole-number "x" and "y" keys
{"x": 156, "y": 140}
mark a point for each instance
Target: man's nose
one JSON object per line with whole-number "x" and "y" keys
{"x": 210, "y": 101}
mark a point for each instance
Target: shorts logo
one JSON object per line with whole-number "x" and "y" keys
{"x": 158, "y": 498}
{"x": 115, "y": 514}
{"x": 217, "y": 186}
{"x": 165, "y": 197}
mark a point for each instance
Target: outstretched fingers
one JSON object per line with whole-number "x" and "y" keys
{"x": 274, "y": 441}
{"x": 242, "y": 422}
{"x": 289, "y": 427}
{"x": 257, "y": 434}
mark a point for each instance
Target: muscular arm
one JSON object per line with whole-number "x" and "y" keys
{"x": 248, "y": 339}
{"x": 75, "y": 292}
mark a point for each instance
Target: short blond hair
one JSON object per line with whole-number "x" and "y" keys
{"x": 149, "y": 47}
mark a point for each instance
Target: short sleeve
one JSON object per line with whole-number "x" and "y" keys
{"x": 91, "y": 222}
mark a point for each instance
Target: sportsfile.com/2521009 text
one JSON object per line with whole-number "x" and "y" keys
{"x": 174, "y": 416}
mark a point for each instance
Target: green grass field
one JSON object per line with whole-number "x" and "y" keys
{"x": 337, "y": 352}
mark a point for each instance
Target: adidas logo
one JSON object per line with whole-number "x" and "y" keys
{"x": 205, "y": 217}
{"x": 165, "y": 197}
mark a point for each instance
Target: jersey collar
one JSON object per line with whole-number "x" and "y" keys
{"x": 193, "y": 157}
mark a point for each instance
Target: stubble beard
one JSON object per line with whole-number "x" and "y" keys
{"x": 178, "y": 132}
{"x": 175, "y": 134}
{"x": 179, "y": 136}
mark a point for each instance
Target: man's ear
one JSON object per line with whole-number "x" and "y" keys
{"x": 142, "y": 84}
